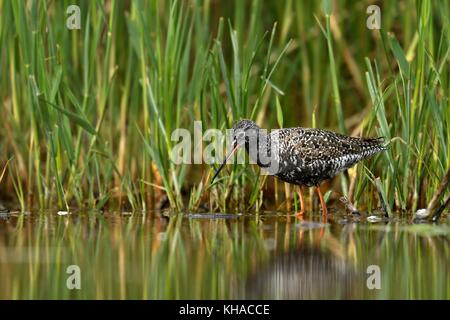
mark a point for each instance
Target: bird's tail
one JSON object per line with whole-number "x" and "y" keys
{"x": 374, "y": 145}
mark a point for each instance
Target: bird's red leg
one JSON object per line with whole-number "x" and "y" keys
{"x": 324, "y": 207}
{"x": 302, "y": 203}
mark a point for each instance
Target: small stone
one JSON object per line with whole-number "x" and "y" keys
{"x": 422, "y": 213}
{"x": 373, "y": 219}
{"x": 4, "y": 214}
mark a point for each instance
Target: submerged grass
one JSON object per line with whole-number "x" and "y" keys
{"x": 88, "y": 114}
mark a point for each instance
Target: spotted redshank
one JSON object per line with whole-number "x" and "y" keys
{"x": 302, "y": 156}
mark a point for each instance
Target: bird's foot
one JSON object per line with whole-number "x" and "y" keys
{"x": 324, "y": 216}
{"x": 299, "y": 215}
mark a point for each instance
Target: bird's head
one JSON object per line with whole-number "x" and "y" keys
{"x": 240, "y": 134}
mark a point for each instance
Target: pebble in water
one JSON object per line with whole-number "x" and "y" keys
{"x": 4, "y": 214}
{"x": 421, "y": 213}
{"x": 373, "y": 219}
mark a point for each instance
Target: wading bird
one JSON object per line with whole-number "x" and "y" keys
{"x": 301, "y": 156}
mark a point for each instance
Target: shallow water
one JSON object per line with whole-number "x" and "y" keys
{"x": 272, "y": 255}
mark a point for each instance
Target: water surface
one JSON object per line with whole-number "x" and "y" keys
{"x": 221, "y": 256}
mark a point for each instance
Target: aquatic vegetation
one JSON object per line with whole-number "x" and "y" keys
{"x": 170, "y": 256}
{"x": 88, "y": 113}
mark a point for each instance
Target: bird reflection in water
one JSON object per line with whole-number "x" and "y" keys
{"x": 307, "y": 273}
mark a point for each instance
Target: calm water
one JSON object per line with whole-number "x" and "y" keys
{"x": 169, "y": 256}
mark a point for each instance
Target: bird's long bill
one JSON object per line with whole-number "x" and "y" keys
{"x": 224, "y": 162}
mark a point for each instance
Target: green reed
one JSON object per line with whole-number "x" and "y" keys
{"x": 88, "y": 114}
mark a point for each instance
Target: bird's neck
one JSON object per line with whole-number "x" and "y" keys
{"x": 258, "y": 146}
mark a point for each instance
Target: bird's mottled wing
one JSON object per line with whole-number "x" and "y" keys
{"x": 312, "y": 155}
